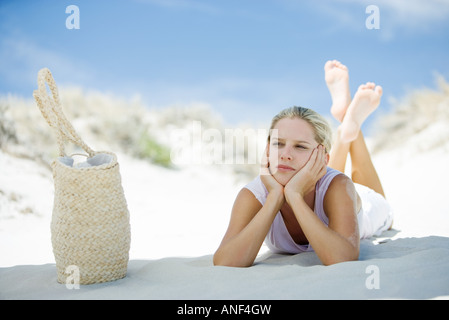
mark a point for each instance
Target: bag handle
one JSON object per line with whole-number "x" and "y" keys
{"x": 50, "y": 107}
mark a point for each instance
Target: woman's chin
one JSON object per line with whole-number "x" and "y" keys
{"x": 282, "y": 179}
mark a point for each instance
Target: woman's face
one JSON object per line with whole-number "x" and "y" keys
{"x": 291, "y": 144}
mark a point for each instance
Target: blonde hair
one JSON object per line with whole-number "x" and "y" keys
{"x": 321, "y": 128}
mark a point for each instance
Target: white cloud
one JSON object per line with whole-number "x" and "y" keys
{"x": 409, "y": 13}
{"x": 21, "y": 59}
{"x": 397, "y": 17}
{"x": 412, "y": 11}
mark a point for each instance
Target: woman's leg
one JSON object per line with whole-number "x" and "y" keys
{"x": 366, "y": 100}
{"x": 336, "y": 76}
{"x": 339, "y": 153}
{"x": 362, "y": 167}
{"x": 351, "y": 114}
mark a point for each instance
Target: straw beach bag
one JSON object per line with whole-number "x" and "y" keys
{"x": 90, "y": 228}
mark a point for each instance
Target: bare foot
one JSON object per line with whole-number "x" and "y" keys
{"x": 366, "y": 100}
{"x": 337, "y": 80}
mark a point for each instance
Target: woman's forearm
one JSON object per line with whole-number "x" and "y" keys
{"x": 242, "y": 249}
{"x": 330, "y": 246}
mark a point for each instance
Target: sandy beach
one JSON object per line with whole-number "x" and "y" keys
{"x": 178, "y": 217}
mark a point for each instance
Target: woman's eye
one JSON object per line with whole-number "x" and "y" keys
{"x": 301, "y": 147}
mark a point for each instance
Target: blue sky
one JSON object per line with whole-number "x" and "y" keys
{"x": 247, "y": 59}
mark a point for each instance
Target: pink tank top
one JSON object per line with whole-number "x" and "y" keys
{"x": 278, "y": 238}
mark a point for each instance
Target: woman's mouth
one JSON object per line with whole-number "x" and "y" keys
{"x": 285, "y": 168}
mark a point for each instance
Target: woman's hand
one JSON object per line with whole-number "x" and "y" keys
{"x": 267, "y": 178}
{"x": 304, "y": 180}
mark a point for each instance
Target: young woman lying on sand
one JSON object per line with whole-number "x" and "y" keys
{"x": 301, "y": 201}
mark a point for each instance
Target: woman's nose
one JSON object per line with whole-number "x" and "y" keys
{"x": 286, "y": 155}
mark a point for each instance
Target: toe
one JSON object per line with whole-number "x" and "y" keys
{"x": 378, "y": 90}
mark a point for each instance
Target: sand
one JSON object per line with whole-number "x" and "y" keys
{"x": 173, "y": 241}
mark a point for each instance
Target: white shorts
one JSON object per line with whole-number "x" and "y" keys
{"x": 376, "y": 215}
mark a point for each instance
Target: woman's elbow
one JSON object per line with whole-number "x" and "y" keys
{"x": 219, "y": 260}
{"x": 335, "y": 261}
{"x": 349, "y": 256}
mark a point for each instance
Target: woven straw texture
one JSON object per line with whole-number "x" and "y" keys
{"x": 90, "y": 222}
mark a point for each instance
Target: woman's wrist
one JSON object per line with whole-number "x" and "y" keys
{"x": 277, "y": 196}
{"x": 291, "y": 194}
